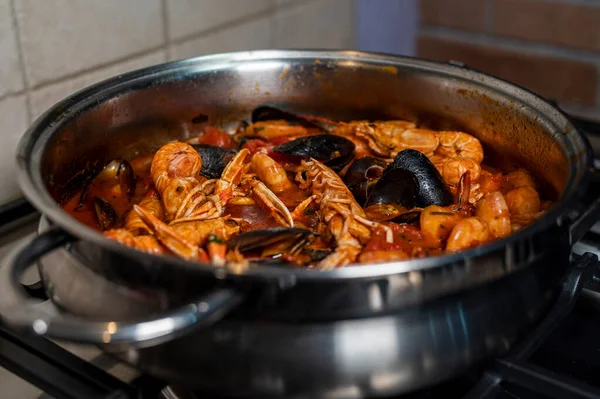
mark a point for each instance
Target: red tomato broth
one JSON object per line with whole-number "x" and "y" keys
{"x": 253, "y": 217}
{"x": 216, "y": 137}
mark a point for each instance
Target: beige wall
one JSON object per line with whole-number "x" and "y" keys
{"x": 51, "y": 48}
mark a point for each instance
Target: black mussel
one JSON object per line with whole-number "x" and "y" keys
{"x": 123, "y": 172}
{"x": 258, "y": 239}
{"x": 268, "y": 113}
{"x": 200, "y": 118}
{"x": 105, "y": 214}
{"x": 431, "y": 187}
{"x": 84, "y": 191}
{"x": 242, "y": 127}
{"x": 362, "y": 175}
{"x": 270, "y": 262}
{"x": 305, "y": 257}
{"x": 398, "y": 186}
{"x": 214, "y": 159}
{"x": 117, "y": 172}
{"x": 411, "y": 217}
{"x": 316, "y": 255}
{"x": 333, "y": 151}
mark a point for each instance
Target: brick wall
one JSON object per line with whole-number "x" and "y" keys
{"x": 549, "y": 46}
{"x": 52, "y": 48}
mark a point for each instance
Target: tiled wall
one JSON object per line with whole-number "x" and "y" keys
{"x": 51, "y": 48}
{"x": 549, "y": 46}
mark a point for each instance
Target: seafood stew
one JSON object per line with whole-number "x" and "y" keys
{"x": 304, "y": 191}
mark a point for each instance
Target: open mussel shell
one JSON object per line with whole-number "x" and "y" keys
{"x": 257, "y": 239}
{"x": 432, "y": 189}
{"x": 214, "y": 159}
{"x": 397, "y": 186}
{"x": 312, "y": 255}
{"x": 123, "y": 172}
{"x": 333, "y": 151}
{"x": 316, "y": 255}
{"x": 270, "y": 262}
{"x": 118, "y": 171}
{"x": 411, "y": 217}
{"x": 105, "y": 214}
{"x": 270, "y": 113}
{"x": 362, "y": 175}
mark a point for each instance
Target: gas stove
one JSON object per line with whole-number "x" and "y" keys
{"x": 560, "y": 358}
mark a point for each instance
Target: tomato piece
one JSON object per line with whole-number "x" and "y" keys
{"x": 216, "y": 137}
{"x": 254, "y": 145}
{"x": 279, "y": 140}
{"x": 378, "y": 243}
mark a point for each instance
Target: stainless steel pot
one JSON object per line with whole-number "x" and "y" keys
{"x": 359, "y": 330}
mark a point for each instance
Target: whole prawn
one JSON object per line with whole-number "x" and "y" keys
{"x": 136, "y": 233}
{"x": 344, "y": 217}
{"x": 390, "y": 137}
{"x": 175, "y": 168}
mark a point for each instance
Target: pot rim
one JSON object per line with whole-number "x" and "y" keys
{"x": 32, "y": 144}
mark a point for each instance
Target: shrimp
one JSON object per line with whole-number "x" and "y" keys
{"x": 146, "y": 243}
{"x": 186, "y": 236}
{"x": 174, "y": 241}
{"x": 232, "y": 176}
{"x": 523, "y": 200}
{"x": 389, "y": 138}
{"x": 271, "y": 129}
{"x": 197, "y": 232}
{"x": 459, "y": 145}
{"x": 217, "y": 250}
{"x": 361, "y": 146}
{"x": 452, "y": 169}
{"x": 519, "y": 178}
{"x": 173, "y": 170}
{"x": 492, "y": 181}
{"x": 524, "y": 205}
{"x": 345, "y": 218}
{"x": 270, "y": 173}
{"x": 136, "y": 233}
{"x": 492, "y": 209}
{"x": 468, "y": 233}
{"x": 437, "y": 222}
{"x": 382, "y": 256}
{"x": 152, "y": 204}
{"x": 270, "y": 203}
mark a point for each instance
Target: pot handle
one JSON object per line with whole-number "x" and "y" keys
{"x": 582, "y": 223}
{"x": 27, "y": 314}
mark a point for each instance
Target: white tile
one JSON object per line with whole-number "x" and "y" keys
{"x": 62, "y": 37}
{"x": 15, "y": 387}
{"x": 320, "y": 24}
{"x": 45, "y": 97}
{"x": 11, "y": 79}
{"x": 13, "y": 122}
{"x": 249, "y": 36}
{"x": 187, "y": 17}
